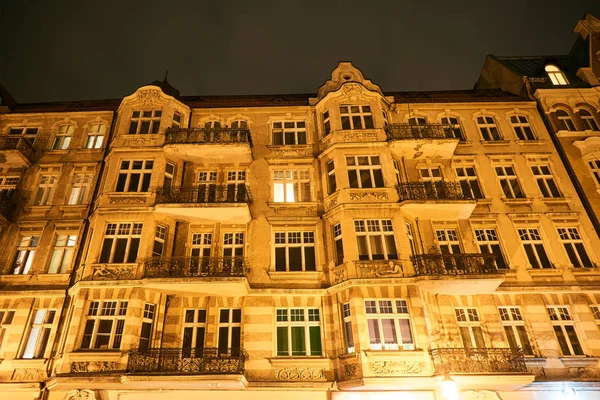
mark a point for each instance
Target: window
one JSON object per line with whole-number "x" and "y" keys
{"x": 63, "y": 137}
{"x": 207, "y": 186}
{"x": 25, "y": 254}
{"x": 236, "y": 186}
{"x": 356, "y": 117}
{"x": 95, "y": 136}
{"x": 564, "y": 121}
{"x": 573, "y": 244}
{"x": 169, "y": 175}
{"x": 339, "y": 245}
{"x": 233, "y": 251}
{"x": 469, "y": 326}
{"x": 212, "y": 124}
{"x": 389, "y": 325}
{"x": 595, "y": 168}
{"x": 46, "y": 185}
{"x": 134, "y": 176}
{"x": 239, "y": 124}
{"x": 29, "y": 134}
{"x": 411, "y": 238}
{"x": 488, "y": 129}
{"x": 177, "y": 119}
{"x": 331, "y": 183}
{"x": 81, "y": 185}
{"x": 534, "y": 248}
{"x": 545, "y": 181}
{"x": 8, "y": 184}
{"x": 289, "y": 132}
{"x": 521, "y": 127}
{"x": 146, "y": 331}
{"x": 455, "y": 130}
{"x": 375, "y": 239}
{"x": 509, "y": 182}
{"x": 160, "y": 238}
{"x": 417, "y": 121}
{"x": 364, "y": 171}
{"x": 39, "y": 333}
{"x": 514, "y": 328}
{"x": 62, "y": 255}
{"x": 194, "y": 329}
{"x": 556, "y": 75}
{"x": 291, "y": 186}
{"x": 201, "y": 251}
{"x": 295, "y": 251}
{"x": 348, "y": 334}
{"x": 144, "y": 122}
{"x": 6, "y": 319}
{"x": 467, "y": 177}
{"x": 298, "y": 332}
{"x": 589, "y": 122}
{"x": 104, "y": 325}
{"x": 326, "y": 123}
{"x": 397, "y": 170}
{"x": 564, "y": 329}
{"x": 230, "y": 331}
{"x": 488, "y": 243}
{"x": 595, "y": 311}
{"x": 121, "y": 242}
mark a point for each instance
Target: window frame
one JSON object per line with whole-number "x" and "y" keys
{"x": 386, "y": 237}
{"x": 561, "y": 318}
{"x": 565, "y": 120}
{"x": 125, "y": 182}
{"x": 545, "y": 180}
{"x": 193, "y": 335}
{"x": 457, "y": 130}
{"x": 572, "y": 236}
{"x": 509, "y": 182}
{"x": 556, "y": 75}
{"x": 65, "y": 253}
{"x": 589, "y": 121}
{"x": 305, "y": 324}
{"x": 133, "y": 238}
{"x": 96, "y": 316}
{"x": 136, "y": 122}
{"x": 7, "y": 316}
{"x": 522, "y": 128}
{"x": 533, "y": 241}
{"x": 63, "y": 137}
{"x": 47, "y": 182}
{"x": 488, "y": 128}
{"x": 490, "y": 238}
{"x": 26, "y": 251}
{"x": 468, "y": 181}
{"x": 396, "y": 310}
{"x": 95, "y": 136}
{"x": 295, "y": 132}
{"x": 356, "y": 119}
{"x": 81, "y": 184}
{"x": 39, "y": 333}
{"x": 469, "y": 322}
{"x": 292, "y": 185}
{"x": 287, "y": 238}
{"x": 375, "y": 172}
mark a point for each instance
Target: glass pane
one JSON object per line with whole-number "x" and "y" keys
{"x": 282, "y": 341}
{"x": 315, "y": 340}
{"x": 298, "y": 341}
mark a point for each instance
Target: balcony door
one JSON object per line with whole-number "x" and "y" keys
{"x": 194, "y": 328}
{"x": 449, "y": 246}
{"x": 230, "y": 331}
{"x": 432, "y": 181}
{"x": 236, "y": 186}
{"x": 207, "y": 186}
{"x": 233, "y": 252}
{"x": 201, "y": 251}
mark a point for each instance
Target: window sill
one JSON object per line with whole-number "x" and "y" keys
{"x": 308, "y": 207}
{"x": 291, "y": 150}
{"x": 395, "y": 354}
{"x": 37, "y": 363}
{"x": 585, "y": 271}
{"x": 95, "y": 355}
{"x": 465, "y": 143}
{"x": 318, "y": 362}
{"x": 523, "y": 200}
{"x": 579, "y": 361}
{"x": 535, "y": 362}
{"x": 296, "y": 276}
{"x": 484, "y": 201}
{"x": 556, "y": 200}
{"x": 53, "y": 277}
{"x": 495, "y": 142}
{"x": 545, "y": 272}
{"x": 569, "y": 133}
{"x": 57, "y": 151}
{"x": 530, "y": 142}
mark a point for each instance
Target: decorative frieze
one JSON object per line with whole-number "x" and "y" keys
{"x": 140, "y": 140}
{"x": 300, "y": 374}
{"x": 28, "y": 375}
{"x": 369, "y": 196}
{"x": 292, "y": 151}
{"x": 396, "y": 367}
{"x": 127, "y": 200}
{"x": 93, "y": 366}
{"x": 81, "y": 394}
{"x": 295, "y": 209}
{"x": 113, "y": 272}
{"x": 350, "y": 370}
{"x": 149, "y": 96}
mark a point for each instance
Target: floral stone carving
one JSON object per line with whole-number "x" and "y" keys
{"x": 28, "y": 375}
{"x": 300, "y": 374}
{"x": 372, "y": 196}
{"x": 396, "y": 367}
{"x": 93, "y": 366}
{"x": 81, "y": 394}
{"x": 127, "y": 200}
{"x": 106, "y": 272}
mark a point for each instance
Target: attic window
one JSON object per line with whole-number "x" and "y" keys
{"x": 556, "y": 75}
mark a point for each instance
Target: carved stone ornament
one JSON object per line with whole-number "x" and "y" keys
{"x": 350, "y": 370}
{"x": 331, "y": 203}
{"x": 480, "y": 395}
{"x": 539, "y": 372}
{"x": 339, "y": 275}
{"x": 299, "y": 209}
{"x": 292, "y": 152}
{"x": 396, "y": 367}
{"x": 149, "y": 96}
{"x": 140, "y": 140}
{"x": 584, "y": 373}
{"x": 93, "y": 366}
{"x": 28, "y": 375}
{"x": 81, "y": 394}
{"x": 119, "y": 272}
{"x": 300, "y": 374}
{"x": 127, "y": 200}
{"x": 360, "y": 137}
{"x": 372, "y": 196}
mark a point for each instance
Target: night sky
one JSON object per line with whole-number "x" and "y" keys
{"x": 83, "y": 50}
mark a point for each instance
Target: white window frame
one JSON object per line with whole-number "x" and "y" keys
{"x": 160, "y": 240}
{"x": 488, "y": 128}
{"x": 131, "y": 168}
{"x": 147, "y": 326}
{"x": 170, "y": 170}
{"x": 594, "y": 166}
{"x": 177, "y": 120}
{"x": 25, "y": 255}
{"x": 95, "y": 135}
{"x": 7, "y": 317}
{"x": 62, "y": 253}
{"x": 40, "y": 333}
{"x": 373, "y": 230}
{"x": 98, "y": 312}
{"x": 293, "y": 130}
{"x": 355, "y": 164}
{"x": 230, "y": 326}
{"x": 561, "y": 320}
{"x": 117, "y": 231}
{"x": 81, "y": 185}
{"x": 509, "y": 181}
{"x": 63, "y": 137}
{"x": 326, "y": 123}
{"x": 595, "y": 309}
{"x": 515, "y": 330}
{"x": 531, "y": 237}
{"x": 546, "y": 183}
{"x": 286, "y": 319}
{"x": 149, "y": 118}
{"x": 287, "y": 239}
{"x": 338, "y": 243}
{"x": 521, "y": 127}
{"x": 468, "y": 175}
{"x": 569, "y": 236}
{"x": 565, "y": 121}
{"x": 292, "y": 185}
{"x": 454, "y": 122}
{"x": 487, "y": 239}
{"x": 357, "y": 116}
{"x": 331, "y": 179}
{"x": 193, "y": 332}
{"x": 470, "y": 327}
{"x": 47, "y": 183}
{"x": 557, "y": 77}
{"x": 348, "y": 328}
{"x": 588, "y": 119}
{"x": 388, "y": 317}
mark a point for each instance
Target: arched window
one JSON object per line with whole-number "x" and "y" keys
{"x": 239, "y": 124}
{"x": 417, "y": 121}
{"x": 521, "y": 127}
{"x": 487, "y": 127}
{"x": 556, "y": 75}
{"x": 565, "y": 122}
{"x": 212, "y": 124}
{"x": 589, "y": 122}
{"x": 63, "y": 137}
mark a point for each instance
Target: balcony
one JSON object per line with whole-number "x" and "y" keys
{"x": 478, "y": 361}
{"x": 457, "y": 273}
{"x": 212, "y": 203}
{"x": 212, "y": 145}
{"x": 422, "y": 141}
{"x": 435, "y": 200}
{"x": 17, "y": 151}
{"x": 212, "y": 275}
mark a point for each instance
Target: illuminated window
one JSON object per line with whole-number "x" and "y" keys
{"x": 564, "y": 329}
{"x": 160, "y": 239}
{"x": 565, "y": 122}
{"x": 46, "y": 185}
{"x": 291, "y": 186}
{"x": 134, "y": 176}
{"x": 545, "y": 181}
{"x": 521, "y": 127}
{"x": 375, "y": 239}
{"x": 121, "y": 242}
{"x": 589, "y": 122}
{"x": 39, "y": 333}
{"x": 509, "y": 182}
{"x": 467, "y": 177}
{"x": 339, "y": 245}
{"x": 95, "y": 136}
{"x": 144, "y": 122}
{"x": 487, "y": 240}
{"x": 25, "y": 254}
{"x": 348, "y": 334}
{"x": 364, "y": 171}
{"x": 331, "y": 182}
{"x": 194, "y": 330}
{"x": 469, "y": 326}
{"x": 487, "y": 128}
{"x": 356, "y": 117}
{"x": 556, "y": 76}
{"x": 62, "y": 255}
{"x": 63, "y": 137}
{"x": 534, "y": 248}
{"x": 81, "y": 185}
{"x": 104, "y": 325}
{"x": 169, "y": 175}
{"x": 295, "y": 251}
{"x": 389, "y": 325}
{"x": 298, "y": 332}
{"x": 514, "y": 328}
{"x": 289, "y": 132}
{"x": 573, "y": 244}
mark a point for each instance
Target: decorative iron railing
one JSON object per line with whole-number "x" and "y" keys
{"x": 440, "y": 190}
{"x": 187, "y": 361}
{"x": 207, "y": 136}
{"x": 478, "y": 360}
{"x": 427, "y": 131}
{"x": 15, "y": 142}
{"x": 454, "y": 264}
{"x": 181, "y": 267}
{"x": 206, "y": 193}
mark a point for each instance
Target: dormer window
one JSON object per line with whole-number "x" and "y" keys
{"x": 556, "y": 75}
{"x": 356, "y": 117}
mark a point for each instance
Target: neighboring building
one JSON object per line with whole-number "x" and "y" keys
{"x": 567, "y": 89}
{"x": 345, "y": 245}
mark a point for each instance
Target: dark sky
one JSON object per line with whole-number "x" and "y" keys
{"x": 87, "y": 49}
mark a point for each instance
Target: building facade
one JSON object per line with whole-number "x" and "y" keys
{"x": 348, "y": 245}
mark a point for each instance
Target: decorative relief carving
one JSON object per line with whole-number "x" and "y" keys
{"x": 539, "y": 372}
{"x": 372, "y": 196}
{"x": 396, "y": 367}
{"x": 352, "y": 89}
{"x": 304, "y": 209}
{"x": 93, "y": 366}
{"x": 300, "y": 374}
{"x": 116, "y": 272}
{"x": 360, "y": 137}
{"x": 292, "y": 152}
{"x": 339, "y": 275}
{"x": 127, "y": 200}
{"x": 378, "y": 269}
{"x": 480, "y": 395}
{"x": 140, "y": 140}
{"x": 149, "y": 96}
{"x": 81, "y": 394}
{"x": 28, "y": 375}
{"x": 350, "y": 370}
{"x": 331, "y": 203}
{"x": 583, "y": 373}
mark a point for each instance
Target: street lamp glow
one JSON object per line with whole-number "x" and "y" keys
{"x": 449, "y": 388}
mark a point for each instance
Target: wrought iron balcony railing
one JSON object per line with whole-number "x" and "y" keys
{"x": 15, "y": 142}
{"x": 440, "y": 190}
{"x": 478, "y": 360}
{"x": 454, "y": 264}
{"x": 187, "y": 361}
{"x": 427, "y": 131}
{"x": 209, "y": 193}
{"x": 181, "y": 267}
{"x": 207, "y": 136}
